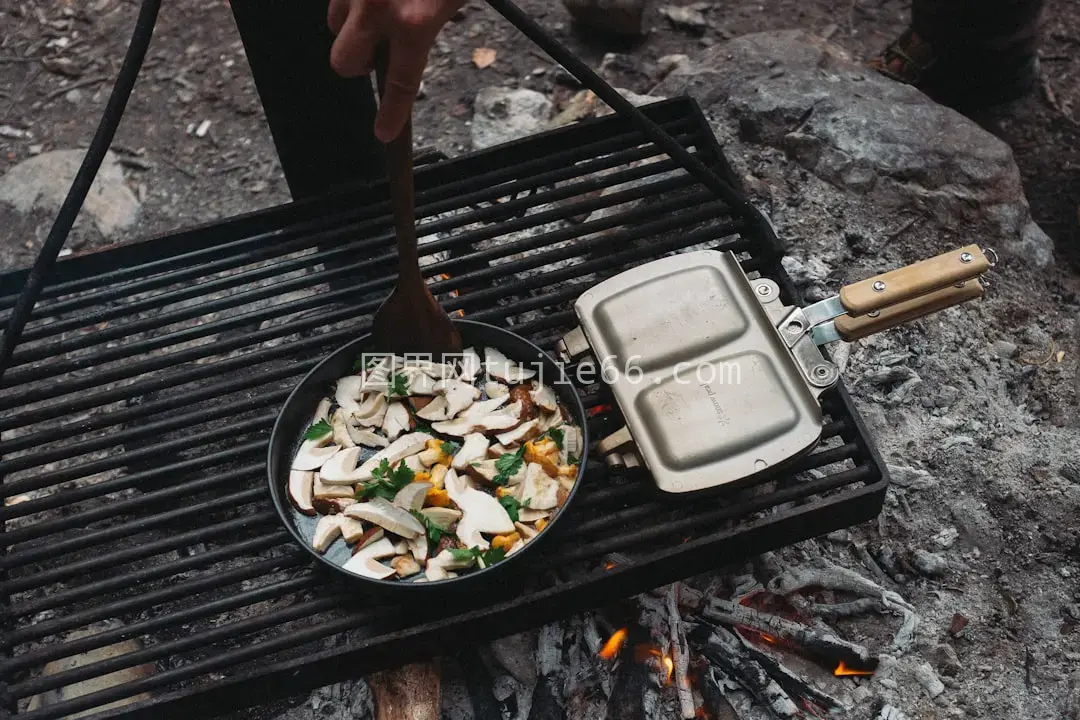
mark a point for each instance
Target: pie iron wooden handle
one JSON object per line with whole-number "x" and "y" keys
{"x": 852, "y": 328}
{"x": 906, "y": 283}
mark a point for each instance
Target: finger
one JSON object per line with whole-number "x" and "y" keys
{"x": 335, "y": 16}
{"x": 408, "y": 58}
{"x": 352, "y": 52}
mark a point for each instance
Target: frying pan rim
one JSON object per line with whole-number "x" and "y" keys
{"x": 283, "y": 505}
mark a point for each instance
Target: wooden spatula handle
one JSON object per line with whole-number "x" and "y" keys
{"x": 399, "y": 174}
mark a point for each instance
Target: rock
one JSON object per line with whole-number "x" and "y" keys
{"x": 928, "y": 563}
{"x": 689, "y": 17}
{"x": 31, "y": 194}
{"x": 889, "y": 712}
{"x": 669, "y": 63}
{"x": 1070, "y": 471}
{"x": 1003, "y": 349}
{"x": 945, "y": 659}
{"x": 947, "y": 537}
{"x": 946, "y": 395}
{"x": 1072, "y": 697}
{"x": 926, "y": 677}
{"x": 505, "y": 114}
{"x": 884, "y": 144}
{"x": 906, "y": 476}
{"x": 1037, "y": 337}
{"x": 619, "y": 17}
{"x": 74, "y": 96}
{"x": 635, "y": 100}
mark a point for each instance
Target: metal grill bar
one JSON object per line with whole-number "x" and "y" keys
{"x": 141, "y": 445}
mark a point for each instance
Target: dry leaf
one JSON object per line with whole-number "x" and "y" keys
{"x": 482, "y": 57}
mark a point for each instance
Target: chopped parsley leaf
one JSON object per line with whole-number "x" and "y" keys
{"x": 556, "y": 435}
{"x": 399, "y": 386}
{"x": 490, "y": 556}
{"x": 508, "y": 465}
{"x": 318, "y": 430}
{"x": 528, "y": 501}
{"x": 386, "y": 482}
{"x": 511, "y": 505}
{"x": 448, "y": 447}
{"x": 572, "y": 459}
{"x": 460, "y": 555}
{"x": 434, "y": 532}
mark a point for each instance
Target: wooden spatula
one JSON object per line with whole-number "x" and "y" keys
{"x": 410, "y": 320}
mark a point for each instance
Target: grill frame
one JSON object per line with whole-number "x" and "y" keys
{"x": 299, "y": 221}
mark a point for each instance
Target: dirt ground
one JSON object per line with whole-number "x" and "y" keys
{"x": 196, "y": 71}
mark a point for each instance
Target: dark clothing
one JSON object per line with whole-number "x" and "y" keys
{"x": 981, "y": 28}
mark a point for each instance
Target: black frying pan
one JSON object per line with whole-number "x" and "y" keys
{"x": 295, "y": 418}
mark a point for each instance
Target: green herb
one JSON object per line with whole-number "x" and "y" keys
{"x": 508, "y": 465}
{"x": 387, "y": 483}
{"x": 318, "y": 430}
{"x": 448, "y": 447}
{"x": 434, "y": 532}
{"x": 572, "y": 459}
{"x": 490, "y": 556}
{"x": 556, "y": 434}
{"x": 422, "y": 426}
{"x": 511, "y": 505}
{"x": 528, "y": 501}
{"x": 399, "y": 386}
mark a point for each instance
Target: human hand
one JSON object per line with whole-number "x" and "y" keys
{"x": 408, "y": 28}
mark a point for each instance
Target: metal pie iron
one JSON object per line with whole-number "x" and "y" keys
{"x": 718, "y": 380}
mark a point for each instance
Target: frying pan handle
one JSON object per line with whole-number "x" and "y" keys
{"x": 853, "y": 328}
{"x": 908, "y": 283}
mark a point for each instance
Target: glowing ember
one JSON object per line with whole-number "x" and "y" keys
{"x": 597, "y": 410}
{"x": 609, "y": 566}
{"x": 768, "y": 638}
{"x": 669, "y": 665}
{"x": 614, "y": 643}
{"x": 843, "y": 670}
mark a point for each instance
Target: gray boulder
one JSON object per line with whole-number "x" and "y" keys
{"x": 885, "y": 143}
{"x": 505, "y": 114}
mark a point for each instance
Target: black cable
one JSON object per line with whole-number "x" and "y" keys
{"x": 591, "y": 80}
{"x": 80, "y": 186}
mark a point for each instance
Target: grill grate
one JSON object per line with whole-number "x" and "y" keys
{"x": 136, "y": 415}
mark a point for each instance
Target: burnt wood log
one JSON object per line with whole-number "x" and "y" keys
{"x": 411, "y": 692}
{"x": 726, "y": 651}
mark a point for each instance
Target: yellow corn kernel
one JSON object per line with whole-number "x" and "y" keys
{"x": 505, "y": 541}
{"x": 422, "y": 477}
{"x": 541, "y": 524}
{"x": 437, "y": 498}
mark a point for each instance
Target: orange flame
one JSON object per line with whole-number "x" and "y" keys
{"x": 614, "y": 643}
{"x": 609, "y": 566}
{"x": 669, "y": 665}
{"x": 769, "y": 638}
{"x": 843, "y": 670}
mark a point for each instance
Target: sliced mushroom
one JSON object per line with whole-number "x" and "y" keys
{"x": 459, "y": 395}
{"x": 419, "y": 382}
{"x": 411, "y": 497}
{"x": 494, "y": 389}
{"x": 327, "y": 531}
{"x": 347, "y": 393}
{"x": 435, "y": 410}
{"x": 549, "y": 420}
{"x": 352, "y": 530}
{"x": 341, "y": 468}
{"x": 324, "y": 491}
{"x": 341, "y": 430}
{"x": 573, "y": 443}
{"x": 473, "y": 450}
{"x": 401, "y": 547}
{"x": 498, "y": 365}
{"x": 434, "y": 571}
{"x": 419, "y": 402}
{"x": 481, "y": 513}
{"x": 372, "y": 410}
{"x": 522, "y": 394}
{"x": 405, "y": 565}
{"x": 332, "y": 506}
{"x": 529, "y": 515}
{"x": 396, "y": 421}
{"x": 539, "y": 491}
{"x": 471, "y": 364}
{"x": 503, "y": 419}
{"x": 384, "y": 514}
{"x": 414, "y": 463}
{"x": 375, "y": 380}
{"x": 498, "y": 450}
{"x": 301, "y": 486}
{"x": 449, "y": 562}
{"x": 322, "y": 412}
{"x": 367, "y": 438}
{"x": 366, "y": 562}
{"x": 418, "y": 546}
{"x": 515, "y": 547}
{"x": 545, "y": 399}
{"x": 524, "y": 431}
{"x": 313, "y": 453}
{"x": 438, "y": 474}
{"x": 398, "y": 450}
{"x": 487, "y": 470}
{"x": 442, "y": 518}
{"x": 527, "y": 531}
{"x": 370, "y": 536}
{"x": 434, "y": 370}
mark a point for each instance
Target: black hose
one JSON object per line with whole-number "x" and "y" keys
{"x": 95, "y": 154}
